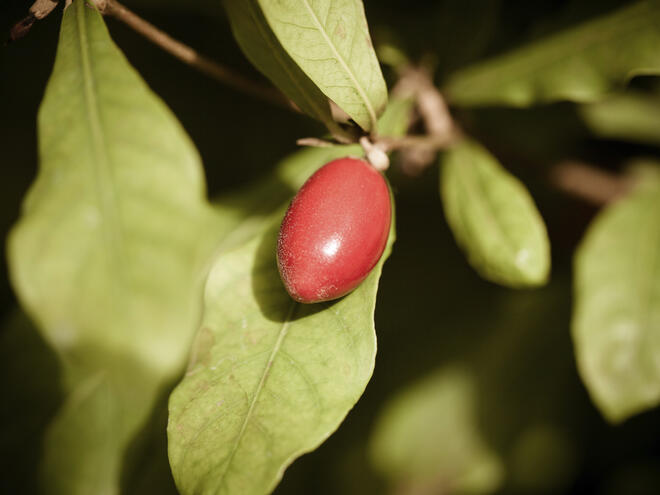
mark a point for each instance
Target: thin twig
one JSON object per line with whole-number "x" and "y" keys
{"x": 589, "y": 183}
{"x": 433, "y": 109}
{"x": 388, "y": 143}
{"x": 189, "y": 56}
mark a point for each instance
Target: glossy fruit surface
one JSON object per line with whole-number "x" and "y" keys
{"x": 334, "y": 231}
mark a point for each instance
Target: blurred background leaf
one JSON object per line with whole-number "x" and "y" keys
{"x": 616, "y": 320}
{"x": 118, "y": 211}
{"x": 629, "y": 116}
{"x": 509, "y": 409}
{"x": 493, "y": 217}
{"x": 427, "y": 441}
{"x": 30, "y": 382}
{"x": 580, "y": 64}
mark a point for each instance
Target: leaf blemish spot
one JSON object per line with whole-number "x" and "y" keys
{"x": 340, "y": 32}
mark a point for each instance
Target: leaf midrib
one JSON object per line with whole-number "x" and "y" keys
{"x": 103, "y": 181}
{"x": 342, "y": 62}
{"x": 260, "y": 386}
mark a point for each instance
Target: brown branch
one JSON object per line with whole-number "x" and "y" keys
{"x": 589, "y": 183}
{"x": 190, "y": 56}
{"x": 430, "y": 102}
{"x": 420, "y": 151}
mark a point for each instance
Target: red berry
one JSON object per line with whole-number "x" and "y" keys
{"x": 334, "y": 231}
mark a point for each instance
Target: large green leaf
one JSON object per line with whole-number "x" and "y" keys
{"x": 578, "y": 64}
{"x": 627, "y": 116}
{"x": 427, "y": 438}
{"x": 330, "y": 42}
{"x": 269, "y": 378}
{"x": 616, "y": 318}
{"x": 260, "y": 45}
{"x": 109, "y": 254}
{"x": 493, "y": 218}
{"x": 256, "y": 350}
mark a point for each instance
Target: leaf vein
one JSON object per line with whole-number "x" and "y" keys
{"x": 344, "y": 64}
{"x": 278, "y": 343}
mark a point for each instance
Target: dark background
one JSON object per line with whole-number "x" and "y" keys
{"x": 433, "y": 309}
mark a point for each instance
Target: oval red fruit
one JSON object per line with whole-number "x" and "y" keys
{"x": 334, "y": 231}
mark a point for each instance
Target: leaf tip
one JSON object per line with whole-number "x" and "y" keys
{"x": 533, "y": 270}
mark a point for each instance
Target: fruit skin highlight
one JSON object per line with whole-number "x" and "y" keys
{"x": 334, "y": 231}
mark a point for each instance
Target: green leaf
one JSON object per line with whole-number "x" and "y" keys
{"x": 428, "y": 438}
{"x": 616, "y": 317}
{"x": 269, "y": 379}
{"x": 579, "y": 64}
{"x": 330, "y": 42}
{"x": 91, "y": 412}
{"x": 493, "y": 218}
{"x": 110, "y": 252}
{"x": 244, "y": 292}
{"x": 396, "y": 118}
{"x": 262, "y": 48}
{"x": 627, "y": 116}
